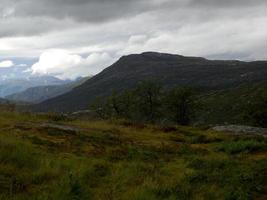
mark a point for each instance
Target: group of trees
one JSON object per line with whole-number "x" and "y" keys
{"x": 256, "y": 110}
{"x": 149, "y": 102}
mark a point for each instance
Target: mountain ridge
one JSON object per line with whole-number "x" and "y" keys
{"x": 168, "y": 69}
{"x": 11, "y": 86}
{"x": 41, "y": 93}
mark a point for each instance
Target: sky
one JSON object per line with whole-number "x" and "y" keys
{"x": 73, "y": 38}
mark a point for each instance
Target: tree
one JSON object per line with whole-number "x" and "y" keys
{"x": 120, "y": 104}
{"x": 114, "y": 104}
{"x": 256, "y": 111}
{"x": 127, "y": 103}
{"x": 147, "y": 101}
{"x": 100, "y": 108}
{"x": 180, "y": 105}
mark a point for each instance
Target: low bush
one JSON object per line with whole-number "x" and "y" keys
{"x": 242, "y": 146}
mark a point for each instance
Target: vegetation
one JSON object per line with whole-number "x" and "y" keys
{"x": 149, "y": 102}
{"x": 246, "y": 104}
{"x": 181, "y": 105}
{"x": 256, "y": 111}
{"x": 54, "y": 157}
{"x": 138, "y": 148}
{"x": 7, "y": 107}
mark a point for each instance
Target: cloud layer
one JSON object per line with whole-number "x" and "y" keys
{"x": 90, "y": 34}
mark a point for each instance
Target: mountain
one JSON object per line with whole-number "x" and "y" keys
{"x": 11, "y": 86}
{"x": 42, "y": 93}
{"x": 167, "y": 69}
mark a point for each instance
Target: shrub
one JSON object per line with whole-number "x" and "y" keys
{"x": 180, "y": 105}
{"x": 256, "y": 110}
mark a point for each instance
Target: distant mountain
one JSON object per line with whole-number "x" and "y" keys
{"x": 169, "y": 70}
{"x": 3, "y": 101}
{"x": 11, "y": 86}
{"x": 42, "y": 93}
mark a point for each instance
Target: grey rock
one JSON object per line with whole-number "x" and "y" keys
{"x": 241, "y": 130}
{"x": 62, "y": 128}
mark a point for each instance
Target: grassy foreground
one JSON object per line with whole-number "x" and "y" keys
{"x": 119, "y": 160}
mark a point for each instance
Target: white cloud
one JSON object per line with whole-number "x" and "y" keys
{"x": 6, "y": 64}
{"x": 66, "y": 65}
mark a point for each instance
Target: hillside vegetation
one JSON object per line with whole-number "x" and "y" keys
{"x": 245, "y": 104}
{"x": 150, "y": 102}
{"x": 53, "y": 157}
{"x": 166, "y": 69}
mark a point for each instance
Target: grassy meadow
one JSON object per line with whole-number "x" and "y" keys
{"x": 119, "y": 160}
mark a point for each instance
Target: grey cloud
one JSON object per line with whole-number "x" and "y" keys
{"x": 90, "y": 10}
{"x": 27, "y": 26}
{"x": 227, "y": 3}
{"x": 32, "y": 17}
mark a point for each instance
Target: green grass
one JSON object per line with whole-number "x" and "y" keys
{"x": 245, "y": 146}
{"x": 125, "y": 161}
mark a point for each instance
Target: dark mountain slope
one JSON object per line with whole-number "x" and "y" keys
{"x": 170, "y": 70}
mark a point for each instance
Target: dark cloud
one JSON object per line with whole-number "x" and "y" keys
{"x": 90, "y": 10}
{"x": 33, "y": 17}
{"x": 28, "y": 26}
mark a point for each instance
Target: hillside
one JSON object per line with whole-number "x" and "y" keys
{"x": 229, "y": 106}
{"x": 170, "y": 70}
{"x": 53, "y": 157}
{"x": 42, "y": 93}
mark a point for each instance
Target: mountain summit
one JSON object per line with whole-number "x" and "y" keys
{"x": 167, "y": 69}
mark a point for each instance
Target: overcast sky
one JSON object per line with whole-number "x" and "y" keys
{"x": 71, "y": 38}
